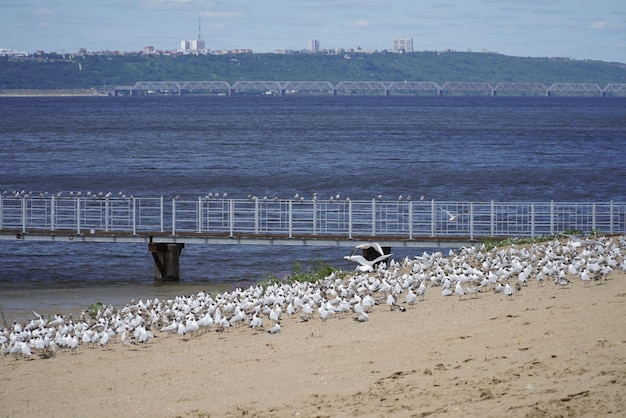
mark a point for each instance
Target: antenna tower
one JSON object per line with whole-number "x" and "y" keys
{"x": 199, "y": 28}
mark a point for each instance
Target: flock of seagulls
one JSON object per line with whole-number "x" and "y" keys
{"x": 468, "y": 273}
{"x": 217, "y": 195}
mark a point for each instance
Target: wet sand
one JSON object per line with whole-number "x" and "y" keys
{"x": 550, "y": 351}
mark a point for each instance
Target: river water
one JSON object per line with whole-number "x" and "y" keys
{"x": 443, "y": 148}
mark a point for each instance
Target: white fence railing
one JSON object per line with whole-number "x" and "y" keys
{"x": 284, "y": 217}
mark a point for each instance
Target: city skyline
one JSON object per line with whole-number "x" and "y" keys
{"x": 575, "y": 29}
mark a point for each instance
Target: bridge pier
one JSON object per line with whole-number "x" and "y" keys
{"x": 166, "y": 260}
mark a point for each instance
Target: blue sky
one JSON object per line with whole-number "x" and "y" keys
{"x": 579, "y": 29}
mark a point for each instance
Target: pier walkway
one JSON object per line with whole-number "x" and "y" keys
{"x": 206, "y": 218}
{"x": 166, "y": 225}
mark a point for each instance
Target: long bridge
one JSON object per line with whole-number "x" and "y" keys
{"x": 166, "y": 225}
{"x": 386, "y": 88}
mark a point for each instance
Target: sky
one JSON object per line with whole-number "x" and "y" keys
{"x": 576, "y": 29}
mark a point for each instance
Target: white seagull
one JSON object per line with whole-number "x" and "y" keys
{"x": 451, "y": 216}
{"x": 508, "y": 290}
{"x": 458, "y": 289}
{"x": 365, "y": 264}
{"x": 275, "y": 329}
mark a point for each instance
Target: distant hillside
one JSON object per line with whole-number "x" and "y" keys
{"x": 102, "y": 71}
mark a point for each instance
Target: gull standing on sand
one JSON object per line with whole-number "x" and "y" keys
{"x": 458, "y": 289}
{"x": 256, "y": 322}
{"x": 170, "y": 328}
{"x": 104, "y": 338}
{"x": 421, "y": 290}
{"x": 508, "y": 291}
{"x": 362, "y": 317}
{"x": 411, "y": 298}
{"x": 275, "y": 329}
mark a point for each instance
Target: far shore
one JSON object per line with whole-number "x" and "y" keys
{"x": 51, "y": 93}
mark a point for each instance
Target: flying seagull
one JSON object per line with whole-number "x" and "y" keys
{"x": 365, "y": 264}
{"x": 452, "y": 217}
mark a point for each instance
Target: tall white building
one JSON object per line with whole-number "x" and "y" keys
{"x": 314, "y": 45}
{"x": 403, "y": 44}
{"x": 193, "y": 45}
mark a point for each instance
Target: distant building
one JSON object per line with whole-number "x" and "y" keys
{"x": 11, "y": 53}
{"x": 194, "y": 45}
{"x": 314, "y": 46}
{"x": 403, "y": 44}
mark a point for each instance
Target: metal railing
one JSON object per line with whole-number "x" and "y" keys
{"x": 298, "y": 217}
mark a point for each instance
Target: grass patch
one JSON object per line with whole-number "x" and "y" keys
{"x": 488, "y": 244}
{"x": 316, "y": 271}
{"x": 4, "y": 319}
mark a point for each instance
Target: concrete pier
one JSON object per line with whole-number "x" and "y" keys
{"x": 166, "y": 260}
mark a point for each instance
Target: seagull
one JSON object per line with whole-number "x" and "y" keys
{"x": 275, "y": 329}
{"x": 451, "y": 216}
{"x": 104, "y": 339}
{"x": 256, "y": 322}
{"x": 584, "y": 276}
{"x": 365, "y": 264}
{"x": 170, "y": 329}
{"x": 181, "y": 329}
{"x": 73, "y": 344}
{"x": 562, "y": 281}
{"x": 458, "y": 289}
{"x": 540, "y": 278}
{"x": 275, "y": 313}
{"x": 124, "y": 338}
{"x": 421, "y": 290}
{"x": 411, "y": 298}
{"x": 324, "y": 313}
{"x": 367, "y": 245}
{"x": 508, "y": 291}
{"x": 191, "y": 325}
{"x": 362, "y": 317}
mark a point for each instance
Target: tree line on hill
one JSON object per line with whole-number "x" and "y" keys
{"x": 53, "y": 71}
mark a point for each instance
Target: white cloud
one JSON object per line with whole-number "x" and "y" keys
{"x": 600, "y": 24}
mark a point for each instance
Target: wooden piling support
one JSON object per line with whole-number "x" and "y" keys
{"x": 166, "y": 260}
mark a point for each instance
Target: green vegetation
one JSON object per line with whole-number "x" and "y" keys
{"x": 94, "y": 308}
{"x": 4, "y": 320}
{"x": 318, "y": 270}
{"x": 490, "y": 244}
{"x": 51, "y": 71}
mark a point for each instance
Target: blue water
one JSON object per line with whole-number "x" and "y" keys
{"x": 444, "y": 148}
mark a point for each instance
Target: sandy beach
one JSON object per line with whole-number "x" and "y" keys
{"x": 547, "y": 351}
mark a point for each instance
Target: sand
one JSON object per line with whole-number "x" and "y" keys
{"x": 548, "y": 352}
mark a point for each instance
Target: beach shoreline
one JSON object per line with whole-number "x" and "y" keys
{"x": 550, "y": 350}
